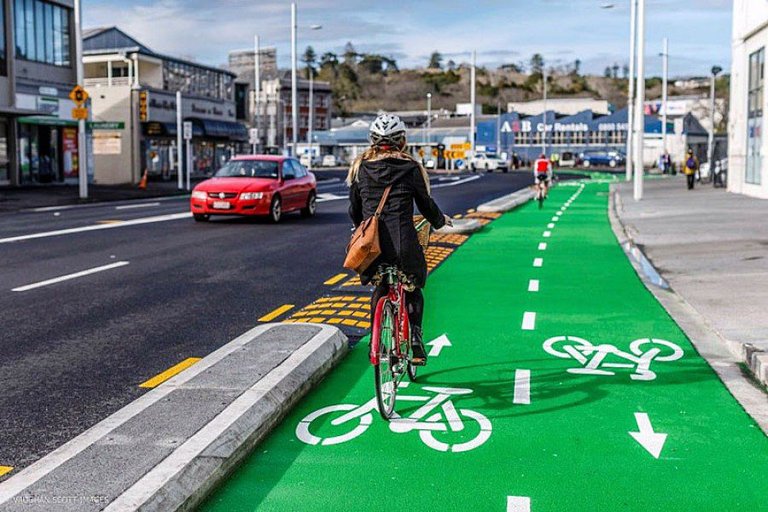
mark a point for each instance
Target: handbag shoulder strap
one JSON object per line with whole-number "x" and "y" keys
{"x": 380, "y": 208}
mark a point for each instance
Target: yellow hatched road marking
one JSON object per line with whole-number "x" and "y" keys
{"x": 170, "y": 372}
{"x": 335, "y": 279}
{"x": 4, "y": 470}
{"x": 276, "y": 313}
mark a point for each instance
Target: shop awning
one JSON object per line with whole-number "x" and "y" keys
{"x": 223, "y": 129}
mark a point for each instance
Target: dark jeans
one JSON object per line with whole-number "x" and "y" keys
{"x": 414, "y": 300}
{"x": 691, "y": 179}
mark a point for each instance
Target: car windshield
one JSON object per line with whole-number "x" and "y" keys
{"x": 248, "y": 169}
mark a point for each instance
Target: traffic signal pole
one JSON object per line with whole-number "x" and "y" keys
{"x": 82, "y": 158}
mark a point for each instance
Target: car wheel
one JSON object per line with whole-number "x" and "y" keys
{"x": 276, "y": 210}
{"x": 199, "y": 217}
{"x": 505, "y": 170}
{"x": 311, "y": 208}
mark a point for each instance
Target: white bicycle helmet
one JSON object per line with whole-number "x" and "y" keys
{"x": 387, "y": 129}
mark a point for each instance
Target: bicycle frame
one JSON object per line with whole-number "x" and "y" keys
{"x": 396, "y": 296}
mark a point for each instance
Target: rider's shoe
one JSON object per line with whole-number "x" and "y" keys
{"x": 419, "y": 357}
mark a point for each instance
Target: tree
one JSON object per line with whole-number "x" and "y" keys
{"x": 451, "y": 65}
{"x": 625, "y": 71}
{"x": 615, "y": 70}
{"x": 576, "y": 66}
{"x": 350, "y": 54}
{"x": 372, "y": 63}
{"x": 515, "y": 68}
{"x": 537, "y": 63}
{"x": 607, "y": 72}
{"x": 329, "y": 59}
{"x": 435, "y": 61}
{"x": 309, "y": 58}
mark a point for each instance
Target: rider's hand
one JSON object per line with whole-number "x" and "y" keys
{"x": 448, "y": 220}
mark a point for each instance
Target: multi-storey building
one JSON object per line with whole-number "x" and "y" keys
{"x": 38, "y": 136}
{"x": 134, "y": 88}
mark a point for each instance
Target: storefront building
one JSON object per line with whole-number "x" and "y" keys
{"x": 135, "y": 87}
{"x": 747, "y": 169}
{"x": 38, "y": 137}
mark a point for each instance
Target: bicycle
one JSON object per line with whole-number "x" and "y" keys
{"x": 391, "y": 342}
{"x": 541, "y": 189}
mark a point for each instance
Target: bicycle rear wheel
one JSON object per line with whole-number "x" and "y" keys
{"x": 385, "y": 382}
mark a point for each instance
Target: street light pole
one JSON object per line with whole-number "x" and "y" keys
{"x": 179, "y": 149}
{"x": 664, "y": 93}
{"x": 472, "y": 94}
{"x": 544, "y": 135}
{"x": 429, "y": 121}
{"x": 257, "y": 91}
{"x": 311, "y": 103}
{"x": 294, "y": 93}
{"x": 82, "y": 164}
{"x": 640, "y": 102}
{"x": 711, "y": 141}
{"x": 631, "y": 92}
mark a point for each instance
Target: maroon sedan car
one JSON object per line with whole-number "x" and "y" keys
{"x": 253, "y": 185}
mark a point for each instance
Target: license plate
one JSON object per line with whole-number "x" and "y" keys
{"x": 221, "y": 205}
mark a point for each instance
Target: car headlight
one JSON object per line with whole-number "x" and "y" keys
{"x": 245, "y": 196}
{"x": 199, "y": 194}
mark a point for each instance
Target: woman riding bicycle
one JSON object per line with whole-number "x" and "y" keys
{"x": 386, "y": 163}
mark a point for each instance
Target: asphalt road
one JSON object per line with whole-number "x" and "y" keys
{"x": 76, "y": 351}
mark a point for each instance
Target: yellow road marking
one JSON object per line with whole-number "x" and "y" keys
{"x": 335, "y": 279}
{"x": 4, "y": 470}
{"x": 276, "y": 313}
{"x": 471, "y": 210}
{"x": 457, "y": 216}
{"x": 170, "y": 372}
{"x": 109, "y": 221}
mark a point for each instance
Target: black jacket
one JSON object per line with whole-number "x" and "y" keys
{"x": 397, "y": 235}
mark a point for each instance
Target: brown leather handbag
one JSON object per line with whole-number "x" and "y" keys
{"x": 364, "y": 246}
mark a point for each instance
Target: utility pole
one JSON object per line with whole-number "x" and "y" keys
{"x": 311, "y": 111}
{"x": 257, "y": 91}
{"x": 179, "y": 149}
{"x": 711, "y": 140}
{"x": 544, "y": 135}
{"x": 82, "y": 157}
{"x": 640, "y": 102}
{"x": 664, "y": 93}
{"x": 472, "y": 100}
{"x": 631, "y": 93}
{"x": 498, "y": 128}
{"x": 294, "y": 93}
{"x": 429, "y": 121}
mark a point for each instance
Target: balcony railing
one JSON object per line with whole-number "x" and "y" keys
{"x": 105, "y": 82}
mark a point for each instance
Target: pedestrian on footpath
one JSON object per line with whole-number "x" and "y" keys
{"x": 386, "y": 176}
{"x": 690, "y": 166}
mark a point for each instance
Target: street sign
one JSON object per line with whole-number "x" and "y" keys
{"x": 80, "y": 113}
{"x": 106, "y": 125}
{"x": 143, "y": 106}
{"x": 457, "y": 147}
{"x": 253, "y": 135}
{"x": 187, "y": 130}
{"x": 78, "y": 95}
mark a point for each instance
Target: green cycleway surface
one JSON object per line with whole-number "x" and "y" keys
{"x": 570, "y": 448}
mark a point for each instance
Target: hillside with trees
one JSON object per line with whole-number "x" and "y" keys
{"x": 368, "y": 82}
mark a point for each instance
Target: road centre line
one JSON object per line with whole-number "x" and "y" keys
{"x": 538, "y": 262}
{"x": 522, "y": 394}
{"x": 542, "y": 246}
{"x": 529, "y": 321}
{"x": 324, "y": 197}
{"x": 555, "y": 218}
{"x": 170, "y": 372}
{"x": 70, "y": 276}
{"x": 276, "y": 312}
{"x": 551, "y": 225}
{"x": 4, "y": 470}
{"x": 518, "y": 504}
{"x": 97, "y": 227}
{"x": 454, "y": 183}
{"x": 547, "y": 234}
{"x": 335, "y": 279}
{"x": 533, "y": 285}
{"x": 43, "y": 209}
{"x": 132, "y": 206}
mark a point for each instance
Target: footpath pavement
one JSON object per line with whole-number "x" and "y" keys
{"x": 710, "y": 246}
{"x": 574, "y": 388}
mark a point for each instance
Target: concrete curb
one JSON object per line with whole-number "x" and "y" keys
{"x": 724, "y": 356}
{"x": 168, "y": 449}
{"x": 506, "y": 203}
{"x": 461, "y": 227}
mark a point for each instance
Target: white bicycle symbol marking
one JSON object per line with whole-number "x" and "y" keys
{"x": 446, "y": 419}
{"x": 642, "y": 352}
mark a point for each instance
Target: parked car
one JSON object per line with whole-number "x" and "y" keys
{"x": 602, "y": 158}
{"x": 330, "y": 161}
{"x": 308, "y": 160}
{"x": 488, "y": 162}
{"x": 256, "y": 185}
{"x": 567, "y": 159}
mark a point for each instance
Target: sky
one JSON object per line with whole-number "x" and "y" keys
{"x": 501, "y": 31}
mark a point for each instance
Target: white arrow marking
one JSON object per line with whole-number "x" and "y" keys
{"x": 438, "y": 344}
{"x": 652, "y": 441}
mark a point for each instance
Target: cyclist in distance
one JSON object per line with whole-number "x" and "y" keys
{"x": 542, "y": 170}
{"x": 387, "y": 163}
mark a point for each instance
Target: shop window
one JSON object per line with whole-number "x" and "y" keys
{"x": 3, "y": 67}
{"x": 41, "y": 32}
{"x": 5, "y": 175}
{"x": 755, "y": 116}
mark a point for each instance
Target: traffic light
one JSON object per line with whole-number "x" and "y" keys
{"x": 143, "y": 106}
